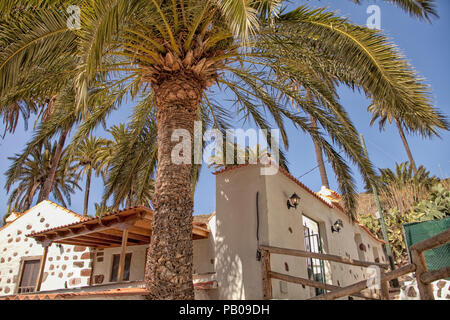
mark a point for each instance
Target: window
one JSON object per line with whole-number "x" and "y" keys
{"x": 28, "y": 278}
{"x": 313, "y": 243}
{"x": 115, "y": 268}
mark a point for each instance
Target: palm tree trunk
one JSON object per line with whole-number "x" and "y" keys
{"x": 406, "y": 145}
{"x": 86, "y": 193}
{"x": 168, "y": 272}
{"x": 319, "y": 157}
{"x": 48, "y": 184}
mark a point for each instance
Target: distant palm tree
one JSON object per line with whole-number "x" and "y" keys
{"x": 403, "y": 188}
{"x": 422, "y": 125}
{"x": 131, "y": 166}
{"x": 91, "y": 155}
{"x": 33, "y": 174}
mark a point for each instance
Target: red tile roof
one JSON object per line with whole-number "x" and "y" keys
{"x": 20, "y": 215}
{"x": 89, "y": 219}
{"x": 100, "y": 293}
{"x": 296, "y": 181}
{"x": 69, "y": 295}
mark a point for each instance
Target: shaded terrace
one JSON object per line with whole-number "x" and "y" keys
{"x": 128, "y": 227}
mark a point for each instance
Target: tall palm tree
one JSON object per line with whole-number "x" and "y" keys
{"x": 168, "y": 53}
{"x": 33, "y": 175}
{"x": 38, "y": 89}
{"x": 89, "y": 156}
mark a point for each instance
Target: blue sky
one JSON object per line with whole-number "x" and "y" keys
{"x": 426, "y": 46}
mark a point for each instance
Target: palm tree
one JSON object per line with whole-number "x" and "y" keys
{"x": 32, "y": 177}
{"x": 167, "y": 53}
{"x": 131, "y": 166}
{"x": 403, "y": 188}
{"x": 46, "y": 86}
{"x": 38, "y": 89}
{"x": 405, "y": 121}
{"x": 90, "y": 155}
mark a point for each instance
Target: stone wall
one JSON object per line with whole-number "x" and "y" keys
{"x": 410, "y": 291}
{"x": 66, "y": 266}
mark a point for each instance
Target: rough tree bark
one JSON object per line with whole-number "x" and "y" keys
{"x": 48, "y": 184}
{"x": 406, "y": 145}
{"x": 169, "y": 266}
{"x": 319, "y": 157}
{"x": 86, "y": 192}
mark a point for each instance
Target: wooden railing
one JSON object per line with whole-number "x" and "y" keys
{"x": 268, "y": 274}
{"x": 423, "y": 276}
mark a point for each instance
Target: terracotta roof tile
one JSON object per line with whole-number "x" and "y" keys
{"x": 20, "y": 215}
{"x": 58, "y": 296}
{"x": 87, "y": 219}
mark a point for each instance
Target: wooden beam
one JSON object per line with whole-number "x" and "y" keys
{"x": 131, "y": 235}
{"x": 431, "y": 276}
{"x": 322, "y": 256}
{"x": 316, "y": 284}
{"x": 104, "y": 237}
{"x": 267, "y": 283}
{"x": 74, "y": 242}
{"x": 122, "y": 255}
{"x": 384, "y": 288}
{"x": 425, "y": 289}
{"x": 41, "y": 269}
{"x": 140, "y": 231}
{"x": 200, "y": 232}
{"x": 433, "y": 242}
{"x": 79, "y": 230}
{"x": 359, "y": 286}
{"x": 94, "y": 259}
{"x": 94, "y": 240}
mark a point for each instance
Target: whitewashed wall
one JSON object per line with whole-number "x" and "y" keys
{"x": 66, "y": 266}
{"x": 239, "y": 272}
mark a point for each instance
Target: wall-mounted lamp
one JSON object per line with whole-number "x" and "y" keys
{"x": 293, "y": 201}
{"x": 337, "y": 226}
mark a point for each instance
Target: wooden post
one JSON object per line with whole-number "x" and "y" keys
{"x": 42, "y": 267}
{"x": 431, "y": 276}
{"x": 267, "y": 282}
{"x": 123, "y": 255}
{"x": 433, "y": 242}
{"x": 384, "y": 287}
{"x": 425, "y": 290}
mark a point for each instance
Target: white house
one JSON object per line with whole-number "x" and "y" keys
{"x": 253, "y": 211}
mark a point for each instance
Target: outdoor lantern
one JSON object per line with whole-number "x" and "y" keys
{"x": 293, "y": 201}
{"x": 337, "y": 226}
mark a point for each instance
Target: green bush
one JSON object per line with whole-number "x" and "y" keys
{"x": 436, "y": 206}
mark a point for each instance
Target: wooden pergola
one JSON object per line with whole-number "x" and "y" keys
{"x": 128, "y": 227}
